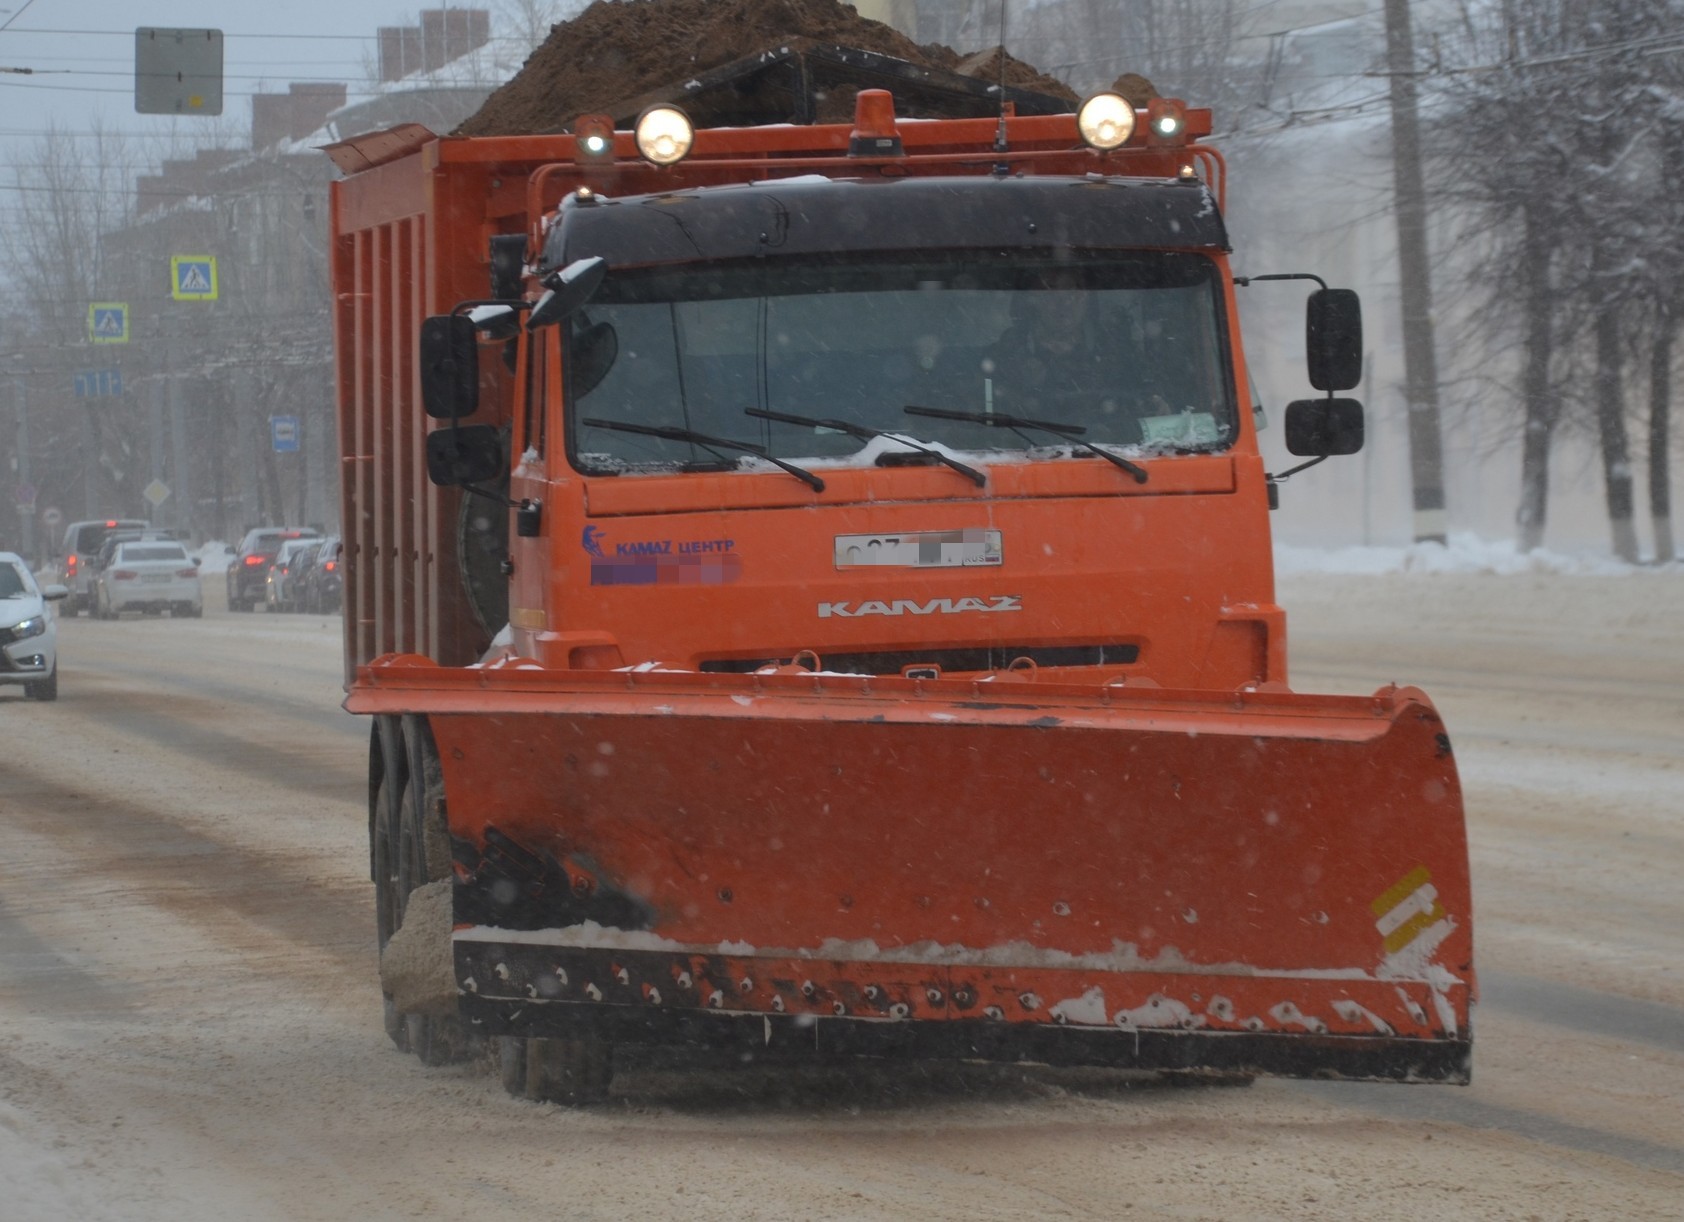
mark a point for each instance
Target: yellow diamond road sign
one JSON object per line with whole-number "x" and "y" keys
{"x": 193, "y": 277}
{"x": 108, "y": 322}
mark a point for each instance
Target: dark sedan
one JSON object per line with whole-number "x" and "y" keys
{"x": 321, "y": 586}
{"x": 248, "y": 571}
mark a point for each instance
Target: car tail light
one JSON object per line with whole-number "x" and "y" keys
{"x": 187, "y": 572}
{"x": 330, "y": 566}
{"x": 123, "y": 575}
{"x": 70, "y": 562}
{"x": 253, "y": 561}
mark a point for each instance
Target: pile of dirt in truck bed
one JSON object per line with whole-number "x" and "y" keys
{"x": 619, "y": 50}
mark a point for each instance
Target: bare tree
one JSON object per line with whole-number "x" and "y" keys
{"x": 66, "y": 191}
{"x": 1187, "y": 48}
{"x": 527, "y": 22}
{"x": 1548, "y": 132}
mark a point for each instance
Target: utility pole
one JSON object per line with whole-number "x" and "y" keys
{"x": 24, "y": 480}
{"x": 1420, "y": 364}
{"x": 156, "y": 399}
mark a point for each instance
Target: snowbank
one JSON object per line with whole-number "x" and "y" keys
{"x": 213, "y": 556}
{"x": 1466, "y": 553}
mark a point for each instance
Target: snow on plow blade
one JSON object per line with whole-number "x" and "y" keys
{"x": 1262, "y": 883}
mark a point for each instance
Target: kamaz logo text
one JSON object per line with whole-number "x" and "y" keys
{"x": 910, "y": 606}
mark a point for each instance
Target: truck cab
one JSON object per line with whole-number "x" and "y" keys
{"x": 939, "y": 425}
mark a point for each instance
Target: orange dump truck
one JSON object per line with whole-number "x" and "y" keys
{"x": 811, "y": 586}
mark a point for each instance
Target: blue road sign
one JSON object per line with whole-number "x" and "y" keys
{"x": 108, "y": 322}
{"x": 283, "y": 434}
{"x": 193, "y": 277}
{"x": 98, "y": 383}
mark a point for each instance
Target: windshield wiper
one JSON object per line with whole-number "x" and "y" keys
{"x": 1003, "y": 420}
{"x": 860, "y": 430}
{"x": 702, "y": 439}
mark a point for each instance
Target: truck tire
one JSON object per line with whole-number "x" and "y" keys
{"x": 511, "y": 1064}
{"x": 435, "y": 1039}
{"x": 383, "y": 863}
{"x": 424, "y": 856}
{"x": 43, "y": 689}
{"x": 576, "y": 1069}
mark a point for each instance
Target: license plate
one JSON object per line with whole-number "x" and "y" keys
{"x": 155, "y": 577}
{"x": 929, "y": 549}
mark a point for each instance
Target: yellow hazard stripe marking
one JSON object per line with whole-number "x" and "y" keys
{"x": 1411, "y": 883}
{"x": 1407, "y": 909}
{"x": 1411, "y": 929}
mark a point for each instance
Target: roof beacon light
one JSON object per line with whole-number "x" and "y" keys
{"x": 594, "y": 137}
{"x": 1106, "y": 121}
{"x": 665, "y": 135}
{"x": 874, "y": 134}
{"x": 1166, "y": 121}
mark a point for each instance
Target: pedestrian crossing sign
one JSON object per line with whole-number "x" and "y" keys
{"x": 108, "y": 322}
{"x": 193, "y": 277}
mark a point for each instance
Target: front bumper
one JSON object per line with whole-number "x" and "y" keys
{"x": 26, "y": 661}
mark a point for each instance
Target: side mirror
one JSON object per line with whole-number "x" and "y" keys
{"x": 1333, "y": 339}
{"x": 449, "y": 366}
{"x": 567, "y": 291}
{"x": 1323, "y": 428}
{"x": 465, "y": 455}
{"x": 55, "y": 592}
{"x": 593, "y": 352}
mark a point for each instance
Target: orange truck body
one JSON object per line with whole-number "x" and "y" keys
{"x": 1077, "y": 816}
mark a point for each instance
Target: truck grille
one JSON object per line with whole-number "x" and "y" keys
{"x": 893, "y": 662}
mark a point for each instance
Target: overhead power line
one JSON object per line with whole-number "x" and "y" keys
{"x": 1649, "y": 44}
{"x": 486, "y": 83}
{"x": 130, "y": 74}
{"x": 227, "y": 35}
{"x": 16, "y": 15}
{"x": 130, "y": 33}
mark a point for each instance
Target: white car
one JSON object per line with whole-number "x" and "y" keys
{"x": 151, "y": 576}
{"x": 28, "y": 631}
{"x": 76, "y": 567}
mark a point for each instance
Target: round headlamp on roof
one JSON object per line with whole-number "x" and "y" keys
{"x": 1106, "y": 121}
{"x": 665, "y": 134}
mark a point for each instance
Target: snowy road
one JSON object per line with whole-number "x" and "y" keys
{"x": 190, "y": 1029}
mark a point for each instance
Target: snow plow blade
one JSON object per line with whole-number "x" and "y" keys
{"x": 1261, "y": 883}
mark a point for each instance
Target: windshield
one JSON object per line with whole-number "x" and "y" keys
{"x": 89, "y": 539}
{"x": 1128, "y": 347}
{"x": 14, "y": 581}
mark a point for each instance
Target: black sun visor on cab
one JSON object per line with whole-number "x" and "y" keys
{"x": 813, "y": 215}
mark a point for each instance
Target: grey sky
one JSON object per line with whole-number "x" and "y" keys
{"x": 82, "y": 56}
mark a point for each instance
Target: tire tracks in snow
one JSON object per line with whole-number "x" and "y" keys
{"x": 194, "y": 875}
